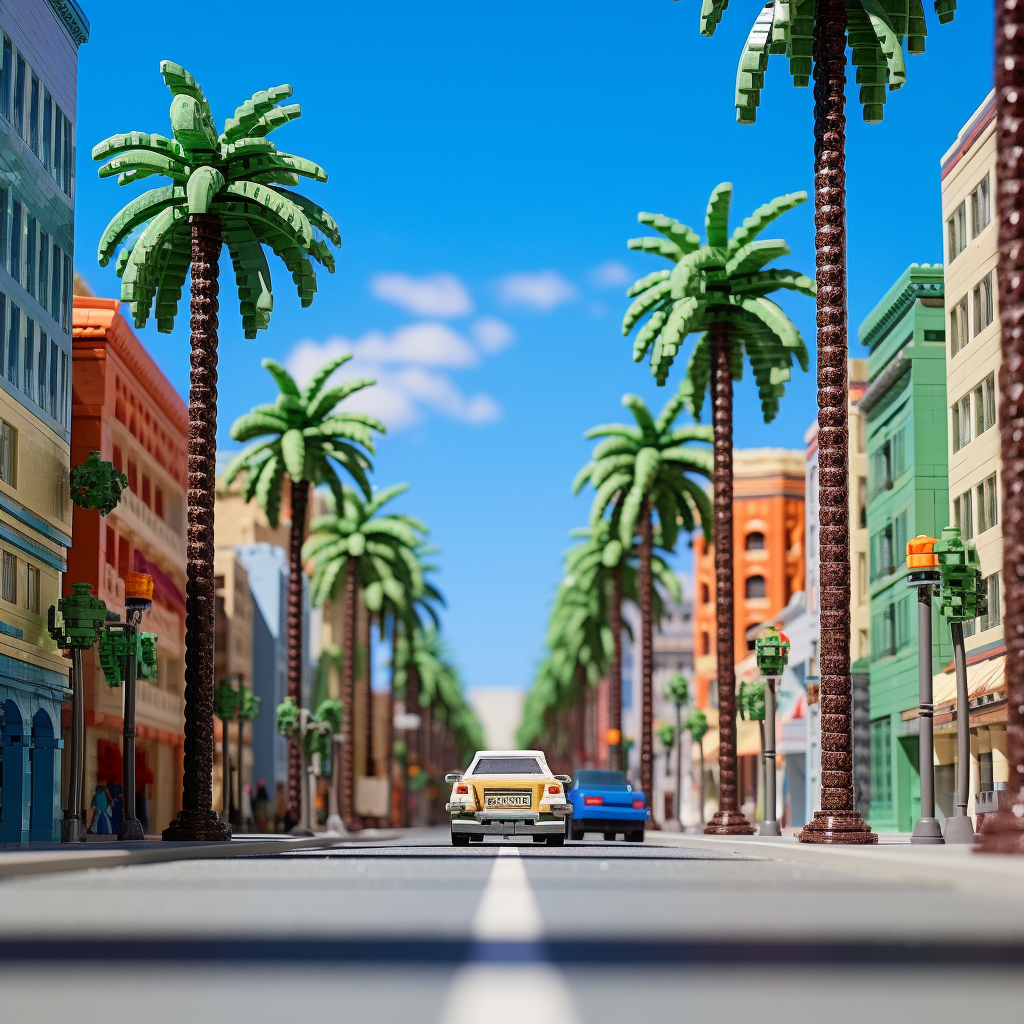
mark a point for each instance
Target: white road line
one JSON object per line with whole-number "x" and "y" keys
{"x": 483, "y": 993}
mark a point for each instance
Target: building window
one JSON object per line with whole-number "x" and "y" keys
{"x": 117, "y": 459}
{"x": 32, "y": 590}
{"x": 888, "y": 462}
{"x": 883, "y": 632}
{"x": 47, "y": 129}
{"x": 985, "y": 405}
{"x": 862, "y": 577}
{"x": 30, "y": 254}
{"x": 33, "y": 115}
{"x": 54, "y": 409}
{"x": 8, "y": 441}
{"x": 5, "y": 78}
{"x": 755, "y": 588}
{"x": 705, "y": 593}
{"x": 111, "y": 545}
{"x": 963, "y": 515}
{"x": 30, "y": 356}
{"x": 43, "y": 263}
{"x": 13, "y": 334}
{"x": 988, "y": 504}
{"x": 146, "y": 495}
{"x": 984, "y": 312}
{"x": 16, "y": 238}
{"x": 159, "y": 502}
{"x": 956, "y": 228}
{"x": 55, "y": 282}
{"x": 994, "y": 615}
{"x": 133, "y": 477}
{"x": 19, "y": 96}
{"x": 9, "y": 578}
{"x": 862, "y": 501}
{"x": 961, "y": 423}
{"x": 881, "y": 765}
{"x": 705, "y": 643}
{"x": 755, "y": 541}
{"x": 981, "y": 208}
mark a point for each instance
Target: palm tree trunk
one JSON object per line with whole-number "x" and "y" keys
{"x": 645, "y": 585}
{"x": 615, "y": 673}
{"x": 1003, "y": 832}
{"x": 728, "y": 819}
{"x": 197, "y": 819}
{"x": 412, "y": 739}
{"x": 679, "y": 763}
{"x": 368, "y": 733}
{"x": 837, "y": 821}
{"x": 300, "y": 506}
{"x": 348, "y": 690}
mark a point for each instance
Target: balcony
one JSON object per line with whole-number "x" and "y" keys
{"x": 146, "y": 523}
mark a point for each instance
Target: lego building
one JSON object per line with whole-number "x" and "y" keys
{"x": 38, "y": 86}
{"x": 127, "y": 410}
{"x": 905, "y": 409}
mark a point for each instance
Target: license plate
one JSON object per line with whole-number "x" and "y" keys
{"x": 508, "y": 800}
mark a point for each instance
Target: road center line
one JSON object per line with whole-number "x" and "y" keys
{"x": 508, "y": 912}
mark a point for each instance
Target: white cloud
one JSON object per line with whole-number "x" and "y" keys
{"x": 492, "y": 334}
{"x": 433, "y": 295}
{"x": 542, "y": 290}
{"x": 610, "y": 274}
{"x": 404, "y": 367}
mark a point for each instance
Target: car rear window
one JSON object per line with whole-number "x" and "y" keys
{"x": 593, "y": 777}
{"x": 508, "y": 766}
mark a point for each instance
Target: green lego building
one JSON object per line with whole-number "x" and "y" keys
{"x": 904, "y": 410}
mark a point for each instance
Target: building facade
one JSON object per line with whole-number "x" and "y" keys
{"x": 905, "y": 409}
{"x": 38, "y": 98}
{"x": 969, "y": 188}
{"x": 127, "y": 410}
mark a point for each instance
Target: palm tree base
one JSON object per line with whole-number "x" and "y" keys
{"x": 197, "y": 827}
{"x": 836, "y": 828}
{"x": 1003, "y": 832}
{"x": 729, "y": 823}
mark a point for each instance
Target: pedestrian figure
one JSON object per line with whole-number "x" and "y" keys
{"x": 100, "y": 803}
{"x": 262, "y": 806}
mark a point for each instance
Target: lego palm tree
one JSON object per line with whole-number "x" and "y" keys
{"x": 1003, "y": 831}
{"x": 226, "y": 702}
{"x": 305, "y": 437}
{"x": 355, "y": 546}
{"x": 226, "y": 189}
{"x": 720, "y": 289}
{"x": 640, "y": 470}
{"x": 814, "y": 35}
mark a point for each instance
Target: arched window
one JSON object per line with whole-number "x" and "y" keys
{"x": 755, "y": 541}
{"x": 705, "y": 594}
{"x": 705, "y": 643}
{"x": 755, "y": 587}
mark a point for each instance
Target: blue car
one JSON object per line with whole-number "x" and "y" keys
{"x": 603, "y": 801}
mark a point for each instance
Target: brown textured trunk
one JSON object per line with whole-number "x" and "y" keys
{"x": 1003, "y": 832}
{"x": 615, "y": 673}
{"x": 197, "y": 819}
{"x": 348, "y": 691}
{"x": 645, "y": 585}
{"x": 728, "y": 819}
{"x": 389, "y": 727}
{"x": 368, "y": 727}
{"x": 837, "y": 821}
{"x": 296, "y": 535}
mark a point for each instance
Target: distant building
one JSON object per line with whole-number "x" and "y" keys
{"x": 969, "y": 188}
{"x": 38, "y": 100}
{"x": 499, "y": 709}
{"x": 905, "y": 409}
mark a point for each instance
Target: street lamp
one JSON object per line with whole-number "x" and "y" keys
{"x": 772, "y": 655}
{"x": 124, "y": 654}
{"x": 923, "y": 573}
{"x": 75, "y": 624}
{"x": 963, "y": 597}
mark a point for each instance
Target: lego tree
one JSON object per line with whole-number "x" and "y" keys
{"x": 96, "y": 484}
{"x": 697, "y": 727}
{"x": 226, "y": 702}
{"x": 303, "y": 436}
{"x": 814, "y": 35}
{"x": 719, "y": 291}
{"x": 226, "y": 189}
{"x": 642, "y": 470}
{"x": 677, "y": 690}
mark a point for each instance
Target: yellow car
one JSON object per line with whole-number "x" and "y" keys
{"x": 508, "y": 793}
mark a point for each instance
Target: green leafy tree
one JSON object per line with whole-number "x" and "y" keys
{"x": 226, "y": 189}
{"x": 718, "y": 290}
{"x": 305, "y": 437}
{"x": 667, "y": 739}
{"x": 677, "y": 690}
{"x": 639, "y": 470}
{"x": 814, "y": 35}
{"x": 697, "y": 727}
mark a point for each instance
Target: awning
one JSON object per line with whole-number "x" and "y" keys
{"x": 984, "y": 679}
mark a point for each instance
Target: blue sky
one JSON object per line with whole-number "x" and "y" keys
{"x": 487, "y": 161}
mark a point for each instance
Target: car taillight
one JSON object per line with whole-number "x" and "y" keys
{"x": 462, "y": 789}
{"x": 555, "y": 789}
{"x": 638, "y": 805}
{"x": 593, "y": 801}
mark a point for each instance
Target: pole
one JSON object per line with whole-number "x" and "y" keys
{"x": 926, "y": 828}
{"x": 131, "y": 827}
{"x": 72, "y": 830}
{"x": 770, "y": 825}
{"x": 959, "y": 828}
{"x": 679, "y": 764}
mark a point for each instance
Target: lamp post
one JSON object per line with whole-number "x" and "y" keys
{"x": 772, "y": 655}
{"x": 751, "y": 705}
{"x": 125, "y": 653}
{"x": 75, "y": 623}
{"x": 924, "y": 575}
{"x": 963, "y": 597}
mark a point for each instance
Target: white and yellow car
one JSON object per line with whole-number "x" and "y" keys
{"x": 508, "y": 793}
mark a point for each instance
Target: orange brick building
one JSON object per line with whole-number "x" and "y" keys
{"x": 768, "y": 548}
{"x": 126, "y": 409}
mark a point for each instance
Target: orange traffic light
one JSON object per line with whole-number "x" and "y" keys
{"x": 920, "y": 554}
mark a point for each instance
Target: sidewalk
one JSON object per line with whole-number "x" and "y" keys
{"x": 946, "y": 867}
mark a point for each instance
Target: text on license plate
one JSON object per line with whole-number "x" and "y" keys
{"x": 508, "y": 800}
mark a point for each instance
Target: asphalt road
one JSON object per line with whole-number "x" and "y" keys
{"x": 413, "y": 930}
